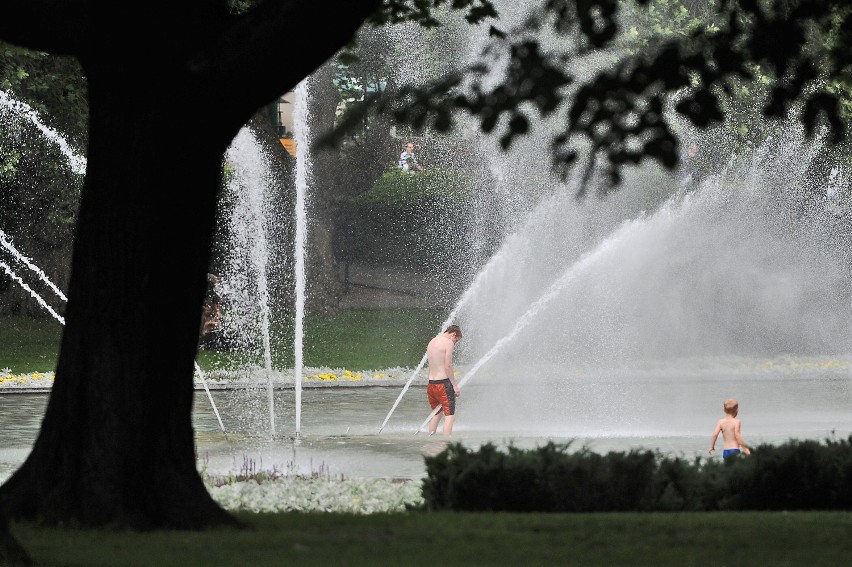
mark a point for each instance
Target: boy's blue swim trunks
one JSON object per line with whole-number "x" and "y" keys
{"x": 730, "y": 452}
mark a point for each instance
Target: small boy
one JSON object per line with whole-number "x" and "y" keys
{"x": 729, "y": 427}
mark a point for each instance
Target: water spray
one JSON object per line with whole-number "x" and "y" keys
{"x": 210, "y": 397}
{"x": 586, "y": 260}
{"x": 8, "y": 245}
{"x": 75, "y": 161}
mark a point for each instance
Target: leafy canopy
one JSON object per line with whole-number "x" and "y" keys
{"x": 690, "y": 62}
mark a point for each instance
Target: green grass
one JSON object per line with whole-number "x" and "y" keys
{"x": 447, "y": 538}
{"x": 369, "y": 339}
{"x": 29, "y": 345}
{"x": 359, "y": 339}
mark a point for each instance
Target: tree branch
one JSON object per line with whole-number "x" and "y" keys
{"x": 56, "y": 26}
{"x": 279, "y": 43}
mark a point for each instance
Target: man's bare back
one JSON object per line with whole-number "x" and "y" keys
{"x": 439, "y": 353}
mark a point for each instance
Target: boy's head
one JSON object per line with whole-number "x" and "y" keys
{"x": 731, "y": 406}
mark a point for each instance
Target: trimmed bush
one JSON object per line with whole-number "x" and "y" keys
{"x": 798, "y": 475}
{"x": 412, "y": 218}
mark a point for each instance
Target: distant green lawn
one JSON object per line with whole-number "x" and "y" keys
{"x": 360, "y": 339}
{"x": 29, "y": 345}
{"x": 471, "y": 539}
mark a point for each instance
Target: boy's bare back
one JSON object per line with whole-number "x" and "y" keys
{"x": 730, "y": 428}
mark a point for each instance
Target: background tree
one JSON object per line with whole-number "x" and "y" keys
{"x": 381, "y": 58}
{"x": 796, "y": 52}
{"x": 39, "y": 192}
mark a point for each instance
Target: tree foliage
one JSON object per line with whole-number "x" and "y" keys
{"x": 39, "y": 189}
{"x": 404, "y": 218}
{"x": 795, "y": 51}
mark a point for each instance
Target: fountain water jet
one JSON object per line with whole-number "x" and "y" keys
{"x": 555, "y": 289}
{"x": 245, "y": 281}
{"x": 7, "y": 244}
{"x": 302, "y": 135}
{"x": 28, "y": 289}
{"x": 748, "y": 268}
{"x": 18, "y": 108}
{"x": 78, "y": 166}
{"x": 495, "y": 264}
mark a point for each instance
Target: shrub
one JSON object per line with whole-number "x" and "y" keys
{"x": 798, "y": 475}
{"x": 412, "y": 218}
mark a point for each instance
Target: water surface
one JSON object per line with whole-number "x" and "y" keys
{"x": 340, "y": 425}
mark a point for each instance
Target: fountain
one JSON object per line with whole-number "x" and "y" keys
{"x": 740, "y": 278}
{"x": 77, "y": 163}
{"x": 16, "y": 108}
{"x": 664, "y": 285}
{"x": 618, "y": 322}
{"x": 244, "y": 281}
{"x": 303, "y": 165}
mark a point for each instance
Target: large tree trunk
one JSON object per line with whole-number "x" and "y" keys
{"x": 116, "y": 444}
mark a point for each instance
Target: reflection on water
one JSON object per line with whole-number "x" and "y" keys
{"x": 339, "y": 430}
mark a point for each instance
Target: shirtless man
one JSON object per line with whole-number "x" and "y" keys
{"x": 443, "y": 388}
{"x": 729, "y": 427}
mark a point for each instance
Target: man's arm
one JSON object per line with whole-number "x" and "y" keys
{"x": 448, "y": 367}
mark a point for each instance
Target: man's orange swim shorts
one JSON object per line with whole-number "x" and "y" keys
{"x": 441, "y": 393}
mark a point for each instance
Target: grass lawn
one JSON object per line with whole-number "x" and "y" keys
{"x": 447, "y": 538}
{"x": 29, "y": 345}
{"x": 358, "y": 339}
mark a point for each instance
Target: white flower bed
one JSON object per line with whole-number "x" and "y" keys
{"x": 36, "y": 380}
{"x": 254, "y": 375}
{"x": 313, "y": 494}
{"x": 245, "y": 378}
{"x": 290, "y": 493}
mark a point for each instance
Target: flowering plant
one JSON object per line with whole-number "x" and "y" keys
{"x": 33, "y": 380}
{"x": 293, "y": 493}
{"x": 282, "y": 489}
